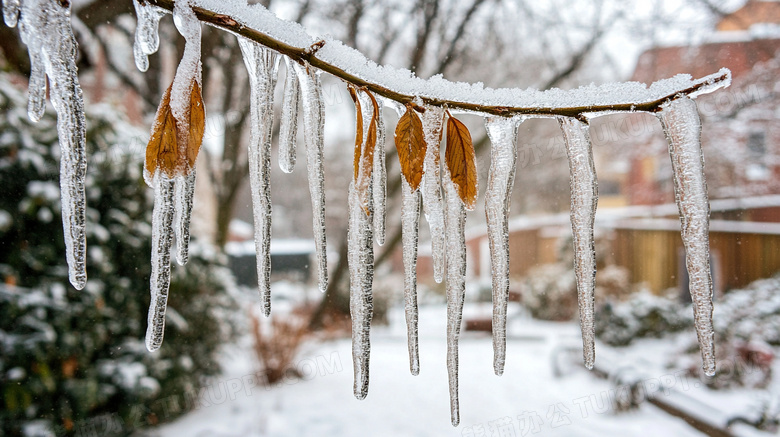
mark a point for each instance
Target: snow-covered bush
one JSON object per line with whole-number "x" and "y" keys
{"x": 69, "y": 356}
{"x": 549, "y": 292}
{"x": 643, "y": 314}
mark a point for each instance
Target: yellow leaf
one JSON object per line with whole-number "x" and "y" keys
{"x": 162, "y": 151}
{"x": 461, "y": 161}
{"x": 410, "y": 142}
{"x": 173, "y": 147}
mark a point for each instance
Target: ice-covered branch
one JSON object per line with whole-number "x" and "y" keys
{"x": 257, "y": 23}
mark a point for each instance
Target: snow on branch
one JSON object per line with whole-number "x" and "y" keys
{"x": 256, "y": 23}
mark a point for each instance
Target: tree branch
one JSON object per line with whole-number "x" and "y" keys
{"x": 308, "y": 55}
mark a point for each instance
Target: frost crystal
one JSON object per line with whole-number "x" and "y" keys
{"x": 682, "y": 126}
{"x": 313, "y": 122}
{"x": 288, "y": 128}
{"x": 456, "y": 285}
{"x": 410, "y": 216}
{"x": 261, "y": 65}
{"x": 45, "y": 29}
{"x": 361, "y": 277}
{"x": 432, "y": 121}
{"x": 584, "y": 197}
{"x": 501, "y": 177}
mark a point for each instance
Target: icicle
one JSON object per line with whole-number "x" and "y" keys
{"x": 410, "y": 217}
{"x": 288, "y": 128}
{"x": 45, "y": 29}
{"x": 147, "y": 39}
{"x": 187, "y": 73}
{"x": 10, "y": 12}
{"x": 682, "y": 126}
{"x": 313, "y": 122}
{"x": 380, "y": 179}
{"x": 432, "y": 120}
{"x": 162, "y": 240}
{"x": 584, "y": 197}
{"x": 361, "y": 277}
{"x": 456, "y": 285}
{"x": 261, "y": 64}
{"x": 503, "y": 137}
{"x": 184, "y": 194}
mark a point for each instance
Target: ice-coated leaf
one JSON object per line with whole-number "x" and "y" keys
{"x": 503, "y": 157}
{"x": 461, "y": 161}
{"x": 380, "y": 178}
{"x": 410, "y": 143}
{"x": 584, "y": 198}
{"x": 682, "y": 126}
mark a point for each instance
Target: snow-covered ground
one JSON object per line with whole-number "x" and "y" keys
{"x": 527, "y": 400}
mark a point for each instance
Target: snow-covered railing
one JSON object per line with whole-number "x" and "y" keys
{"x": 265, "y": 39}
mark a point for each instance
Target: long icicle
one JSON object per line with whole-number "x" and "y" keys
{"x": 503, "y": 156}
{"x": 432, "y": 121}
{"x": 313, "y": 122}
{"x": 45, "y": 29}
{"x": 682, "y": 126}
{"x": 455, "y": 284}
{"x": 584, "y": 198}
{"x": 261, "y": 65}
{"x": 162, "y": 240}
{"x": 410, "y": 217}
{"x": 288, "y": 124}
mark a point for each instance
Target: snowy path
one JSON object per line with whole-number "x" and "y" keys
{"x": 527, "y": 398}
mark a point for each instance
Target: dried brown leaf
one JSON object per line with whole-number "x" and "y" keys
{"x": 461, "y": 161}
{"x": 410, "y": 142}
{"x": 173, "y": 147}
{"x": 367, "y": 157}
{"x": 162, "y": 151}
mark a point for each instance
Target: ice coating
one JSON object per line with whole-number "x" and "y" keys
{"x": 162, "y": 240}
{"x": 261, "y": 65}
{"x": 313, "y": 123}
{"x": 361, "y": 276}
{"x": 410, "y": 217}
{"x": 365, "y": 179}
{"x": 188, "y": 70}
{"x": 288, "y": 124}
{"x": 380, "y": 178}
{"x": 432, "y": 121}
{"x": 584, "y": 198}
{"x": 455, "y": 284}
{"x": 45, "y": 28}
{"x": 184, "y": 194}
{"x": 10, "y": 12}
{"x": 682, "y": 126}
{"x": 147, "y": 39}
{"x": 503, "y": 156}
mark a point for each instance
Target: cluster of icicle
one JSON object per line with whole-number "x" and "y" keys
{"x": 45, "y": 28}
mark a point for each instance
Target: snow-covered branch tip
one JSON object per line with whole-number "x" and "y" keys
{"x": 329, "y": 55}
